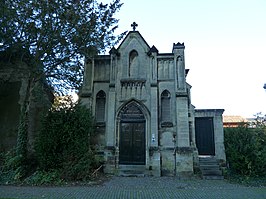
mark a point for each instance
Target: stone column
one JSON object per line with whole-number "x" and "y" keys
{"x": 154, "y": 118}
{"x": 178, "y": 50}
{"x": 86, "y": 91}
{"x": 181, "y": 73}
{"x": 154, "y": 68}
{"x": 182, "y": 121}
{"x": 110, "y": 120}
{"x": 219, "y": 135}
{"x": 111, "y": 152}
{"x": 88, "y": 76}
{"x": 113, "y": 64}
{"x": 154, "y": 154}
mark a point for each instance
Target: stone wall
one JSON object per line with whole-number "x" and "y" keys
{"x": 14, "y": 79}
{"x": 216, "y": 114}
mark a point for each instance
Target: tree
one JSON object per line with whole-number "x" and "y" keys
{"x": 245, "y": 147}
{"x": 57, "y": 35}
{"x": 260, "y": 120}
{"x": 54, "y": 38}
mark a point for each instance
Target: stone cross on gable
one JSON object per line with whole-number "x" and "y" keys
{"x": 134, "y": 25}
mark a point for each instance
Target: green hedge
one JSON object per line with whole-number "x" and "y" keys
{"x": 246, "y": 150}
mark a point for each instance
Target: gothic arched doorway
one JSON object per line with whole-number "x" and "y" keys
{"x": 132, "y": 135}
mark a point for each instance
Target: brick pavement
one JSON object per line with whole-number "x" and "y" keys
{"x": 142, "y": 187}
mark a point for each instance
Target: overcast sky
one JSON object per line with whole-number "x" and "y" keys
{"x": 225, "y": 47}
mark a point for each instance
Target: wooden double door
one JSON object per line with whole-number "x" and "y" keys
{"x": 132, "y": 143}
{"x": 205, "y": 135}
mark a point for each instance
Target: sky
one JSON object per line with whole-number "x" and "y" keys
{"x": 225, "y": 47}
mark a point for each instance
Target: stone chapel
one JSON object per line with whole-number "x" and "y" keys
{"x": 145, "y": 121}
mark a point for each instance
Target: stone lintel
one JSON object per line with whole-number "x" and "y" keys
{"x": 154, "y": 84}
{"x": 184, "y": 150}
{"x": 167, "y": 148}
{"x": 181, "y": 94}
{"x": 167, "y": 124}
{"x": 209, "y": 111}
{"x": 132, "y": 80}
{"x": 111, "y": 85}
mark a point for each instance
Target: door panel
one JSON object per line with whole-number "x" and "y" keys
{"x": 132, "y": 143}
{"x": 125, "y": 142}
{"x": 205, "y": 135}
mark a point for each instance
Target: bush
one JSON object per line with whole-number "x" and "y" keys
{"x": 10, "y": 167}
{"x": 246, "y": 150}
{"x": 64, "y": 143}
{"x": 44, "y": 178}
{"x": 62, "y": 150}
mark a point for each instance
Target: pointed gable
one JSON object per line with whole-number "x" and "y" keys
{"x": 134, "y": 40}
{"x": 134, "y": 57}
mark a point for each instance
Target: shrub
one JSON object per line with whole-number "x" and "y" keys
{"x": 246, "y": 150}
{"x": 64, "y": 143}
{"x": 44, "y": 178}
{"x": 62, "y": 150}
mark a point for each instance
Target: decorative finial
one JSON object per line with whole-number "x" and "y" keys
{"x": 134, "y": 25}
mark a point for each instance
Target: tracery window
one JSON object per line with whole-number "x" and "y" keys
{"x": 165, "y": 106}
{"x": 132, "y": 61}
{"x": 100, "y": 106}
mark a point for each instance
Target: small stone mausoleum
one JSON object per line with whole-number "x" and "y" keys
{"x": 144, "y": 116}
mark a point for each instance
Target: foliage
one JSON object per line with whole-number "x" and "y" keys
{"x": 260, "y": 121}
{"x": 246, "y": 150}
{"x": 54, "y": 38}
{"x": 63, "y": 102}
{"x": 255, "y": 181}
{"x": 44, "y": 178}
{"x": 57, "y": 35}
{"x": 62, "y": 150}
{"x": 14, "y": 167}
{"x": 63, "y": 143}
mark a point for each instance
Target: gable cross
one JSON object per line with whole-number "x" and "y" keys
{"x": 134, "y": 25}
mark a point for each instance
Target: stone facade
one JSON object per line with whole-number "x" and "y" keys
{"x": 218, "y": 134}
{"x": 142, "y": 108}
{"x": 14, "y": 80}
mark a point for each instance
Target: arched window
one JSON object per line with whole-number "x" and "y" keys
{"x": 132, "y": 61}
{"x": 100, "y": 106}
{"x": 165, "y": 106}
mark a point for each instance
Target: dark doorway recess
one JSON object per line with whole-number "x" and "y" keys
{"x": 132, "y": 149}
{"x": 132, "y": 143}
{"x": 205, "y": 135}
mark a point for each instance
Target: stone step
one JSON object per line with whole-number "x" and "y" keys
{"x": 129, "y": 174}
{"x": 207, "y": 160}
{"x": 211, "y": 172}
{"x": 210, "y": 168}
{"x": 212, "y": 177}
{"x": 131, "y": 170}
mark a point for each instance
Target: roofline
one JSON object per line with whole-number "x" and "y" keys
{"x": 129, "y": 34}
{"x": 209, "y": 110}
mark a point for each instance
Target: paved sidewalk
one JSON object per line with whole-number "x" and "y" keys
{"x": 143, "y": 188}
